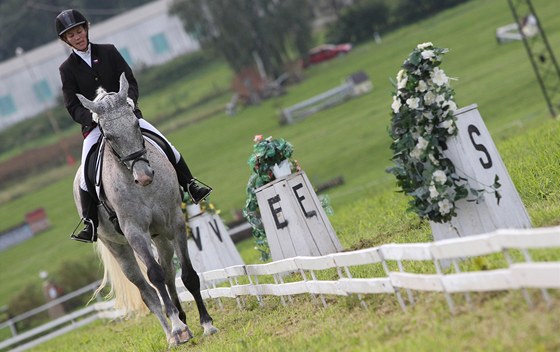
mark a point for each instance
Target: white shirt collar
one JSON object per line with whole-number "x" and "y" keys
{"x": 85, "y": 55}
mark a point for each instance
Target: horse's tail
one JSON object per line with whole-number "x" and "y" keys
{"x": 126, "y": 294}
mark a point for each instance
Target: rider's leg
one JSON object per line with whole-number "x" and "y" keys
{"x": 89, "y": 207}
{"x": 196, "y": 190}
{"x": 89, "y": 215}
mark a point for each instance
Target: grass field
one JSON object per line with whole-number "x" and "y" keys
{"x": 349, "y": 140}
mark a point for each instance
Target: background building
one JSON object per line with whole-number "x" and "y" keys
{"x": 145, "y": 36}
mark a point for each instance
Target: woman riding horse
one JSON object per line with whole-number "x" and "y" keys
{"x": 89, "y": 67}
{"x": 152, "y": 225}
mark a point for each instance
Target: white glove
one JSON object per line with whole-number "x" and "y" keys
{"x": 130, "y": 102}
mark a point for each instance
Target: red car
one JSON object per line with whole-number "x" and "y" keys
{"x": 326, "y": 52}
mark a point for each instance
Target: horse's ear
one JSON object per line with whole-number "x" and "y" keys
{"x": 88, "y": 104}
{"x": 123, "y": 89}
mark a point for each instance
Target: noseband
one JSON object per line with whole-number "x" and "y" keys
{"x": 135, "y": 157}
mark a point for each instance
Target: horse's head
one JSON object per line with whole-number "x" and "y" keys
{"x": 121, "y": 130}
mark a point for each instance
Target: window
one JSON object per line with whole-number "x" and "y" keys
{"x": 42, "y": 91}
{"x": 7, "y": 106}
{"x": 126, "y": 55}
{"x": 159, "y": 42}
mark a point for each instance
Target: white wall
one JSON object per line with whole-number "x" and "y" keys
{"x": 132, "y": 33}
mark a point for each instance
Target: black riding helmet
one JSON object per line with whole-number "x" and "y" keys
{"x": 69, "y": 19}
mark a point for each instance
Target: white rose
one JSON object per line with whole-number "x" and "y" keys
{"x": 413, "y": 102}
{"x": 433, "y": 159}
{"x": 401, "y": 74}
{"x": 424, "y": 45}
{"x": 427, "y": 54}
{"x": 428, "y": 114}
{"x": 429, "y": 98}
{"x": 438, "y": 77}
{"x": 440, "y": 99}
{"x": 448, "y": 125}
{"x": 439, "y": 176}
{"x": 445, "y": 124}
{"x": 396, "y": 105}
{"x": 451, "y": 104}
{"x": 416, "y": 153}
{"x": 433, "y": 191}
{"x": 422, "y": 143}
{"x": 422, "y": 86}
{"x": 444, "y": 206}
{"x": 402, "y": 78}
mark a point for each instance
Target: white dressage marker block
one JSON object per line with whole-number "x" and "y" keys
{"x": 294, "y": 220}
{"x": 210, "y": 245}
{"x": 474, "y": 154}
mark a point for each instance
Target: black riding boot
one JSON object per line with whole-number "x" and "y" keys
{"x": 196, "y": 189}
{"x": 89, "y": 215}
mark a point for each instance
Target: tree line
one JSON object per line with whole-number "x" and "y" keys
{"x": 275, "y": 32}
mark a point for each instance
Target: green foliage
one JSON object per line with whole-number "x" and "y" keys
{"x": 73, "y": 274}
{"x": 359, "y": 22}
{"x": 35, "y": 128}
{"x": 240, "y": 30}
{"x": 155, "y": 78}
{"x": 422, "y": 121}
{"x": 266, "y": 154}
{"x": 29, "y": 297}
{"x": 70, "y": 276}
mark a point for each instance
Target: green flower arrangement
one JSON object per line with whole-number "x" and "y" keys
{"x": 266, "y": 154}
{"x": 423, "y": 118}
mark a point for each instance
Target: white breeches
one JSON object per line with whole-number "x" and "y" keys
{"x": 93, "y": 136}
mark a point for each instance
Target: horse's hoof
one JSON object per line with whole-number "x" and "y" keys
{"x": 180, "y": 337}
{"x": 209, "y": 329}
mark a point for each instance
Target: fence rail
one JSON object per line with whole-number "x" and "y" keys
{"x": 226, "y": 283}
{"x": 516, "y": 276}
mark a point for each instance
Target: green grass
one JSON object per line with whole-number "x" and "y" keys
{"x": 349, "y": 140}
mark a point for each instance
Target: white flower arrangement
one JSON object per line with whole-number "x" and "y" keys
{"x": 423, "y": 118}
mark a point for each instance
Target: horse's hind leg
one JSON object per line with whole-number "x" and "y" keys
{"x": 192, "y": 283}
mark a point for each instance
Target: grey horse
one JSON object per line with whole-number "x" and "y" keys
{"x": 141, "y": 187}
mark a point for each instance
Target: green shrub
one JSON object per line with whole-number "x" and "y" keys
{"x": 28, "y": 298}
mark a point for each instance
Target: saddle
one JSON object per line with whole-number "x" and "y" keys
{"x": 93, "y": 169}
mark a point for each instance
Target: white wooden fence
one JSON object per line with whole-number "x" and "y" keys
{"x": 514, "y": 276}
{"x": 303, "y": 275}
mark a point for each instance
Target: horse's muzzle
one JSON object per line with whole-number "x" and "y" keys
{"x": 145, "y": 177}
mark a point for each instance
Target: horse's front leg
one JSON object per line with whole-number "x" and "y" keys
{"x": 165, "y": 255}
{"x": 140, "y": 243}
{"x": 126, "y": 259}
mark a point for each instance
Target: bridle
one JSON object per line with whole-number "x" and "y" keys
{"x": 139, "y": 155}
{"x": 135, "y": 157}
